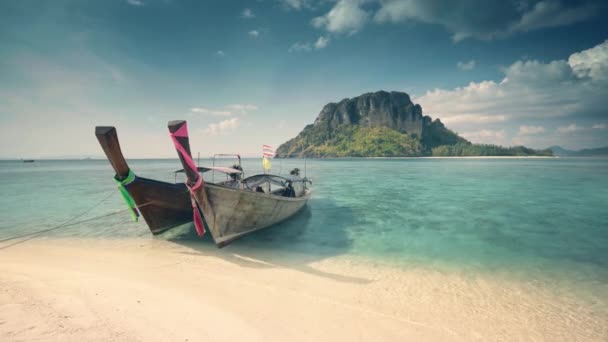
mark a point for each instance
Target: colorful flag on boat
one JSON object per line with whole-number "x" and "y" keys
{"x": 268, "y": 151}
{"x": 267, "y": 154}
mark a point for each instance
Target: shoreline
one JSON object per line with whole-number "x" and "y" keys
{"x": 432, "y": 157}
{"x": 144, "y": 289}
{"x": 468, "y": 157}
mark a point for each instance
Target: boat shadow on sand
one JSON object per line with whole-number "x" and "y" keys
{"x": 317, "y": 232}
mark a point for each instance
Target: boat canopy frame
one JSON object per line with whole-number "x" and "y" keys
{"x": 240, "y": 166}
{"x": 222, "y": 169}
{"x": 252, "y": 182}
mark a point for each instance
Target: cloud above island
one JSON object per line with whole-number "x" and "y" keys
{"x": 490, "y": 20}
{"x": 345, "y": 17}
{"x": 531, "y": 90}
{"x": 464, "y": 19}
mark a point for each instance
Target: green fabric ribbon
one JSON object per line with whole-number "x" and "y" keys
{"x": 126, "y": 195}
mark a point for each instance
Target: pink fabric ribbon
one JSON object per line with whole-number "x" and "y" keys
{"x": 196, "y": 211}
{"x": 183, "y": 132}
{"x": 200, "y": 183}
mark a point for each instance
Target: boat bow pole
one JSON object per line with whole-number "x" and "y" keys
{"x": 108, "y": 139}
{"x": 202, "y": 211}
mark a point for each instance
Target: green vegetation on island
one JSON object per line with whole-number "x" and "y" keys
{"x": 466, "y": 149}
{"x": 356, "y": 141}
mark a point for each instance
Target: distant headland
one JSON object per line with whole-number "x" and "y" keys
{"x": 385, "y": 124}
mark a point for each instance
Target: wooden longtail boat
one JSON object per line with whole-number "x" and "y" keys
{"x": 228, "y": 209}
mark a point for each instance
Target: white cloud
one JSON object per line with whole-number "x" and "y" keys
{"x": 220, "y": 53}
{"x": 529, "y": 89}
{"x": 241, "y": 108}
{"x": 211, "y": 111}
{"x": 569, "y": 129}
{"x": 254, "y": 33}
{"x": 551, "y": 13}
{"x": 300, "y": 47}
{"x": 345, "y": 17}
{"x": 485, "y": 136}
{"x": 221, "y": 127}
{"x": 228, "y": 110}
{"x": 600, "y": 126}
{"x": 495, "y": 19}
{"x": 470, "y": 65}
{"x": 135, "y": 2}
{"x": 472, "y": 118}
{"x": 247, "y": 13}
{"x": 462, "y": 19}
{"x": 295, "y": 4}
{"x": 321, "y": 43}
{"x": 529, "y": 130}
{"x": 592, "y": 63}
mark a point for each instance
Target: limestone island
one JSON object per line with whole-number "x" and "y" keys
{"x": 385, "y": 124}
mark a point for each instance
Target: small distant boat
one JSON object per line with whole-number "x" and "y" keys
{"x": 28, "y": 160}
{"x": 228, "y": 209}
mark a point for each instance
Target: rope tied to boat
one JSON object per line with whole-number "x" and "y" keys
{"x": 68, "y": 223}
{"x": 126, "y": 195}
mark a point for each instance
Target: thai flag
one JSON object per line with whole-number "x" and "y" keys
{"x": 268, "y": 151}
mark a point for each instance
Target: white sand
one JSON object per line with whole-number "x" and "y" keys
{"x": 153, "y": 290}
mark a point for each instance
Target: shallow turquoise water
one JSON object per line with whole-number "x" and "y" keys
{"x": 535, "y": 218}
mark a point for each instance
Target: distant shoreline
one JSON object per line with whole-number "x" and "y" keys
{"x": 437, "y": 157}
{"x": 461, "y": 157}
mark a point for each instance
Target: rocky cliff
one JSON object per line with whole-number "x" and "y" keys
{"x": 393, "y": 110}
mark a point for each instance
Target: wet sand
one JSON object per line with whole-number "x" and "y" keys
{"x": 154, "y": 290}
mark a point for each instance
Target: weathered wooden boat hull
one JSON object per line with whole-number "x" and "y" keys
{"x": 229, "y": 213}
{"x": 163, "y": 205}
{"x": 239, "y": 212}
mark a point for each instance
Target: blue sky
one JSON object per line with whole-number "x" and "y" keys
{"x": 247, "y": 73}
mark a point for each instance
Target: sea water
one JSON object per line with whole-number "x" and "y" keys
{"x": 539, "y": 219}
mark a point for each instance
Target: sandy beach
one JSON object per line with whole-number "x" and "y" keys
{"x": 154, "y": 290}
